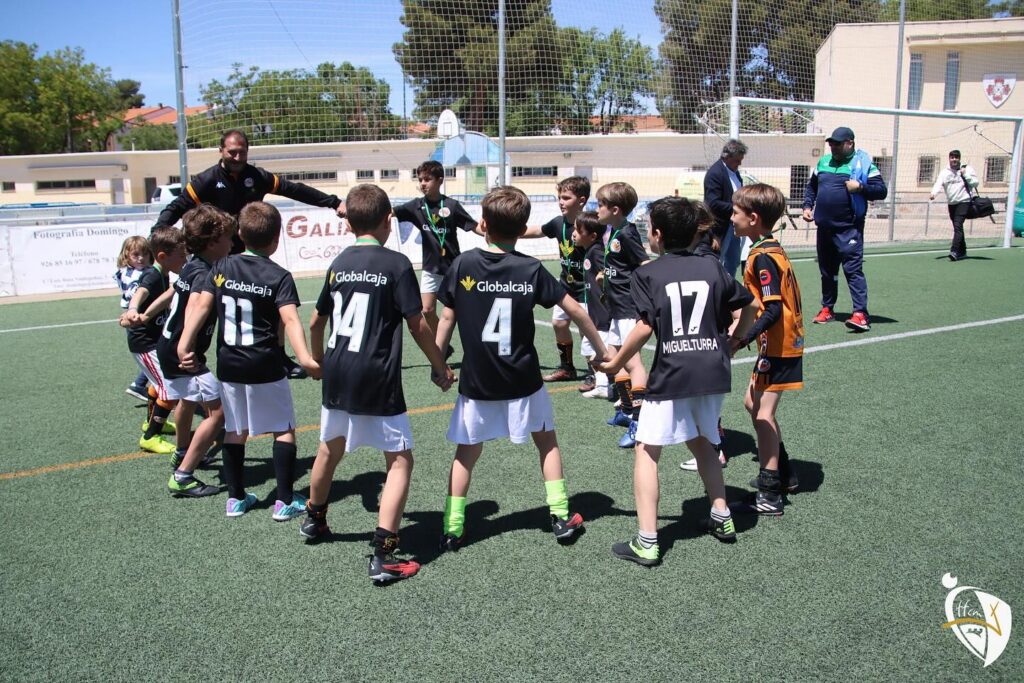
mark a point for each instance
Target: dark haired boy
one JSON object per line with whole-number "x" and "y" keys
{"x": 252, "y": 296}
{"x": 208, "y": 233}
{"x": 437, "y": 217}
{"x": 586, "y": 235}
{"x": 145, "y": 321}
{"x": 779, "y": 332}
{"x": 491, "y": 294}
{"x": 623, "y": 253}
{"x": 369, "y": 291}
{"x": 572, "y": 194}
{"x": 686, "y": 301}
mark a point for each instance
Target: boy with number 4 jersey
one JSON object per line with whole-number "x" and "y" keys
{"x": 686, "y": 301}
{"x": 252, "y": 296}
{"x": 368, "y": 293}
{"x": 491, "y": 294}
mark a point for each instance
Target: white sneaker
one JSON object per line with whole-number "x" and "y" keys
{"x": 597, "y": 392}
{"x": 690, "y": 465}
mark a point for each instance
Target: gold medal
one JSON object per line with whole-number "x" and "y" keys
{"x": 570, "y": 279}
{"x": 442, "y": 251}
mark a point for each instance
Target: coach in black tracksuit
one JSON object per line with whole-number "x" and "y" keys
{"x": 234, "y": 182}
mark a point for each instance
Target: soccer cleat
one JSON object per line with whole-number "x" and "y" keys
{"x": 168, "y": 428}
{"x": 238, "y": 507}
{"x": 561, "y": 375}
{"x": 294, "y": 370}
{"x": 314, "y": 527}
{"x": 450, "y": 543}
{"x": 628, "y": 439}
{"x": 587, "y": 384}
{"x": 634, "y": 552}
{"x": 859, "y": 322}
{"x": 138, "y": 391}
{"x": 619, "y": 419}
{"x": 825, "y": 315}
{"x": 597, "y": 392}
{"x": 191, "y": 488}
{"x": 564, "y": 529}
{"x": 285, "y": 511}
{"x": 765, "y": 504}
{"x": 691, "y": 464}
{"x": 724, "y": 531}
{"x": 157, "y": 444}
{"x": 792, "y": 483}
{"x": 385, "y": 569}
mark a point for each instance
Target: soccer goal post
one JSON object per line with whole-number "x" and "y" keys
{"x": 989, "y": 144}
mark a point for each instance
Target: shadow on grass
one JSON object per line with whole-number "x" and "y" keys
{"x": 968, "y": 257}
{"x": 737, "y": 443}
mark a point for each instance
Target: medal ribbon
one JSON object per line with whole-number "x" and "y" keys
{"x": 433, "y": 226}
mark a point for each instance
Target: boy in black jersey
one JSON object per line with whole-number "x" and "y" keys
{"x": 491, "y": 293}
{"x": 686, "y": 301}
{"x": 779, "y": 331}
{"x": 587, "y": 236}
{"x": 369, "y": 291}
{"x": 208, "y": 235}
{"x": 572, "y": 194}
{"x": 436, "y": 217}
{"x": 145, "y": 320}
{"x": 252, "y": 295}
{"x": 623, "y": 254}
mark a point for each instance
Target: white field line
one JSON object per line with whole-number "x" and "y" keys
{"x": 862, "y": 341}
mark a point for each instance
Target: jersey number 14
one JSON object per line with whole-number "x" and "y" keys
{"x": 349, "y": 321}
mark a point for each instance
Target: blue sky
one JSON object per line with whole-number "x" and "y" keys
{"x": 134, "y": 40}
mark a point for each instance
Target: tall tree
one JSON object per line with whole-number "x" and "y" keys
{"x": 54, "y": 103}
{"x": 336, "y": 102}
{"x": 128, "y": 93}
{"x": 449, "y": 53}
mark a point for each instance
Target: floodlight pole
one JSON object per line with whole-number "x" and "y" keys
{"x": 179, "y": 86}
{"x": 1011, "y": 191}
{"x": 501, "y": 92}
{"x": 896, "y": 122}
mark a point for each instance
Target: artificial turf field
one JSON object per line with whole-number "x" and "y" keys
{"x": 908, "y": 451}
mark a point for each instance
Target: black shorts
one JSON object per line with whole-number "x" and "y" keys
{"x": 772, "y": 373}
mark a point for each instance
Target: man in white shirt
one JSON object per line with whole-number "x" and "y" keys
{"x": 958, "y": 182}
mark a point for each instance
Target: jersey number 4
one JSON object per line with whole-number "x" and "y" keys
{"x": 350, "y": 322}
{"x": 676, "y": 292}
{"x": 498, "y": 327}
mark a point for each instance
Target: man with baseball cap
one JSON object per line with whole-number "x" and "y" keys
{"x": 836, "y": 199}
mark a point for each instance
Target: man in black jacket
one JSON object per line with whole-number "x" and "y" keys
{"x": 231, "y": 184}
{"x": 720, "y": 181}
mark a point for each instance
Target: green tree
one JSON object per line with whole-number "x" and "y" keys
{"x": 128, "y": 93}
{"x": 143, "y": 136}
{"x": 333, "y": 103}
{"x": 20, "y": 132}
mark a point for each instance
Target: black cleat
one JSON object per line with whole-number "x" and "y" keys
{"x": 765, "y": 504}
{"x": 314, "y": 526}
{"x": 724, "y": 531}
{"x": 385, "y": 569}
{"x": 451, "y": 544}
{"x": 565, "y": 529}
{"x": 191, "y": 488}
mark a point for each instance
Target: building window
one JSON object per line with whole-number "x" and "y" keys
{"x": 305, "y": 176}
{"x": 996, "y": 170}
{"x": 926, "y": 166}
{"x": 8, "y": 187}
{"x": 952, "y": 80}
{"x": 171, "y": 179}
{"x": 364, "y": 175}
{"x": 534, "y": 171}
{"x": 389, "y": 174}
{"x": 798, "y": 176}
{"x": 916, "y": 80}
{"x": 66, "y": 185}
{"x": 449, "y": 172}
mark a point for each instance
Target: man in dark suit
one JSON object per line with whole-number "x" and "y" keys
{"x": 720, "y": 181}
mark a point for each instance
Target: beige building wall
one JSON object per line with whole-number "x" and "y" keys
{"x": 856, "y": 65}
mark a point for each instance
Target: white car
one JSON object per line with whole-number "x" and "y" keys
{"x": 165, "y": 194}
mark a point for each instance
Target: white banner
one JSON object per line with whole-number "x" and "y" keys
{"x": 83, "y": 256}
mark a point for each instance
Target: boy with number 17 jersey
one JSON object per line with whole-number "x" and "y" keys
{"x": 491, "y": 293}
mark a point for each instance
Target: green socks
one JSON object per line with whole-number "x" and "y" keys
{"x": 558, "y": 498}
{"x": 454, "y": 516}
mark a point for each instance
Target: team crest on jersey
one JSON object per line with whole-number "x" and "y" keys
{"x": 764, "y": 365}
{"x": 798, "y": 343}
{"x": 468, "y": 283}
{"x": 220, "y": 185}
{"x": 766, "y": 277}
{"x": 249, "y": 182}
{"x": 219, "y": 279}
{"x": 615, "y": 246}
{"x": 444, "y": 212}
{"x": 586, "y": 264}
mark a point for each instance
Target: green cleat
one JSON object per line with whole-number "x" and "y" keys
{"x": 191, "y": 488}
{"x": 634, "y": 552}
{"x": 157, "y": 444}
{"x": 169, "y": 427}
{"x": 724, "y": 531}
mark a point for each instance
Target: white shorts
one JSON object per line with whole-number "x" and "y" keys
{"x": 476, "y": 421}
{"x": 389, "y": 433}
{"x": 586, "y": 350}
{"x": 150, "y": 365}
{"x": 663, "y": 423}
{"x": 558, "y": 313}
{"x": 430, "y": 282}
{"x": 618, "y": 330}
{"x": 258, "y": 408}
{"x": 195, "y": 388}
